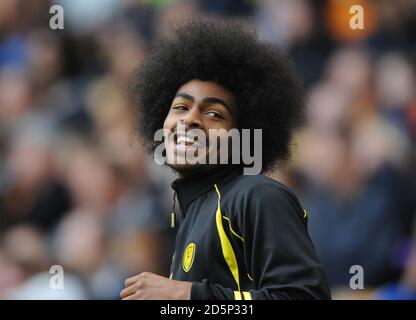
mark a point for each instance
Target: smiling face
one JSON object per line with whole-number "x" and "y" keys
{"x": 202, "y": 105}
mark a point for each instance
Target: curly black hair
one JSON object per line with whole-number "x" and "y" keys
{"x": 269, "y": 96}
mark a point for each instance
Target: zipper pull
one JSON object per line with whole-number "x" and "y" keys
{"x": 173, "y": 215}
{"x": 172, "y": 220}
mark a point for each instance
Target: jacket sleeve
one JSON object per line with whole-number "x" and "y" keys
{"x": 278, "y": 252}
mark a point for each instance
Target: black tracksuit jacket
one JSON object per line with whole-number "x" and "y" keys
{"x": 244, "y": 237}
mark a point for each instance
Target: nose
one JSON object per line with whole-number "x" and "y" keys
{"x": 192, "y": 119}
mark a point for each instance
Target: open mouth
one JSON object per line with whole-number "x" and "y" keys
{"x": 191, "y": 145}
{"x": 185, "y": 141}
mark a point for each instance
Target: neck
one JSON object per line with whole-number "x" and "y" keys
{"x": 197, "y": 172}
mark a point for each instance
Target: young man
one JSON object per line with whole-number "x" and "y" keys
{"x": 240, "y": 236}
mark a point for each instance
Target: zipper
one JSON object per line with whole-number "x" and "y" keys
{"x": 173, "y": 224}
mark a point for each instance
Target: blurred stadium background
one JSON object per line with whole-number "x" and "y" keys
{"x": 76, "y": 188}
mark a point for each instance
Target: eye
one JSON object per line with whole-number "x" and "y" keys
{"x": 214, "y": 114}
{"x": 180, "y": 107}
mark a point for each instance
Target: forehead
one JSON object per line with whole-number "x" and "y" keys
{"x": 200, "y": 89}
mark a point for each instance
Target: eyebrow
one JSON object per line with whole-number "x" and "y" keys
{"x": 208, "y": 100}
{"x": 185, "y": 96}
{"x": 212, "y": 100}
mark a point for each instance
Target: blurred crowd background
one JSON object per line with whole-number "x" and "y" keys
{"x": 78, "y": 190}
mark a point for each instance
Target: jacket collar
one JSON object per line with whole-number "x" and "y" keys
{"x": 190, "y": 188}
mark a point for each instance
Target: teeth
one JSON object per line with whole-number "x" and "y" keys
{"x": 184, "y": 139}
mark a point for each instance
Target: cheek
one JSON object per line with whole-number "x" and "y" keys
{"x": 234, "y": 122}
{"x": 229, "y": 124}
{"x": 169, "y": 121}
{"x": 165, "y": 124}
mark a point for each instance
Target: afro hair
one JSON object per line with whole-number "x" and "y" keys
{"x": 269, "y": 96}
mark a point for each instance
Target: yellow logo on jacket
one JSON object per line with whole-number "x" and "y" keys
{"x": 188, "y": 256}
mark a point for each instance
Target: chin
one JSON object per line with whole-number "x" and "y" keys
{"x": 190, "y": 169}
{"x": 187, "y": 168}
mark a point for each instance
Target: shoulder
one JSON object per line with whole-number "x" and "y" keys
{"x": 261, "y": 186}
{"x": 258, "y": 192}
